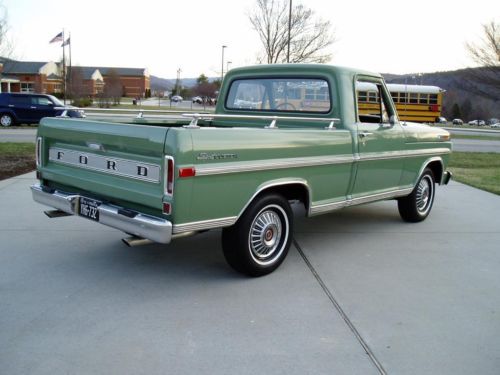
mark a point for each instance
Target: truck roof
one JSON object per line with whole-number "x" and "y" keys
{"x": 298, "y": 68}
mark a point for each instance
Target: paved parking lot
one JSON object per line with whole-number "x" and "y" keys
{"x": 361, "y": 292}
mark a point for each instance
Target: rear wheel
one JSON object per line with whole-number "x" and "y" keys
{"x": 259, "y": 241}
{"x": 6, "y": 120}
{"x": 417, "y": 206}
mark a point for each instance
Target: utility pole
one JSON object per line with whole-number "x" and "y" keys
{"x": 289, "y": 31}
{"x": 222, "y": 65}
{"x": 178, "y": 83}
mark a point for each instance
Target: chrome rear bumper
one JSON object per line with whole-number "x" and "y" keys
{"x": 133, "y": 222}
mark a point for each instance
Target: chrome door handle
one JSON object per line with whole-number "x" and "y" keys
{"x": 33, "y": 107}
{"x": 364, "y": 134}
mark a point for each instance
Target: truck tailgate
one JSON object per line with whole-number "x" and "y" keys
{"x": 115, "y": 162}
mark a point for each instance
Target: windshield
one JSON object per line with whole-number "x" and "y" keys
{"x": 56, "y": 101}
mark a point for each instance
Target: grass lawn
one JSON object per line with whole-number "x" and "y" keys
{"x": 478, "y": 169}
{"x": 16, "y": 159}
{"x": 478, "y": 137}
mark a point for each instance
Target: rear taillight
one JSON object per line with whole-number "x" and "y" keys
{"x": 169, "y": 175}
{"x": 38, "y": 151}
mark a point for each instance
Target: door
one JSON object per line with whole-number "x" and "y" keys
{"x": 20, "y": 105}
{"x": 380, "y": 140}
{"x": 41, "y": 107}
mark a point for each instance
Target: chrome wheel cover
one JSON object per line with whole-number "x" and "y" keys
{"x": 6, "y": 120}
{"x": 268, "y": 234}
{"x": 424, "y": 194}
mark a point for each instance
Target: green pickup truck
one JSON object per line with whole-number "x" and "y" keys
{"x": 280, "y": 134}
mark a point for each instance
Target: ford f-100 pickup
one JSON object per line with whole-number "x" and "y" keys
{"x": 280, "y": 133}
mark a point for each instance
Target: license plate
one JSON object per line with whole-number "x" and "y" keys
{"x": 88, "y": 208}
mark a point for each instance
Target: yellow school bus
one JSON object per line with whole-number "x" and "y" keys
{"x": 415, "y": 103}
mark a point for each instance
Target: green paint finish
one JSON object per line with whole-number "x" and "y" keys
{"x": 236, "y": 158}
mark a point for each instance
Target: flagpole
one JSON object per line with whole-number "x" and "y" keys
{"x": 70, "y": 67}
{"x": 64, "y": 70}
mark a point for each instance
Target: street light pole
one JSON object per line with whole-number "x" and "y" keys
{"x": 178, "y": 81}
{"x": 222, "y": 65}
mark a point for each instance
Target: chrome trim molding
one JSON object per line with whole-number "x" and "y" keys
{"x": 271, "y": 184}
{"x": 264, "y": 165}
{"x": 116, "y": 166}
{"x": 309, "y": 161}
{"x": 141, "y": 225}
{"x": 402, "y": 154}
{"x": 204, "y": 224}
{"x": 323, "y": 208}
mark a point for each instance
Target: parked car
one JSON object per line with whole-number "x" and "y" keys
{"x": 25, "y": 108}
{"x": 474, "y": 122}
{"x": 177, "y": 98}
{"x": 497, "y": 125}
{"x": 492, "y": 121}
{"x": 441, "y": 120}
{"x": 197, "y": 99}
{"x": 457, "y": 121}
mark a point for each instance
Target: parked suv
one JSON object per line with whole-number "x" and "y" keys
{"x": 31, "y": 108}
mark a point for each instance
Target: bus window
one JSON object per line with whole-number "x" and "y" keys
{"x": 423, "y": 99}
{"x": 373, "y": 97}
{"x": 413, "y": 98}
{"x": 373, "y": 104}
{"x": 433, "y": 99}
{"x": 394, "y": 97}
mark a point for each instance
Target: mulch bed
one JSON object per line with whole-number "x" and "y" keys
{"x": 11, "y": 166}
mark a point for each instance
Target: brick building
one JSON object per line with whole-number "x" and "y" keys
{"x": 29, "y": 76}
{"x": 46, "y": 78}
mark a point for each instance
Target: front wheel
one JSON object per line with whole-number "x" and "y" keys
{"x": 417, "y": 206}
{"x": 259, "y": 241}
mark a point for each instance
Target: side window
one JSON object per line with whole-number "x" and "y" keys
{"x": 19, "y": 100}
{"x": 375, "y": 107}
{"x": 41, "y": 100}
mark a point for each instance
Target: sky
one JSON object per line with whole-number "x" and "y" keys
{"x": 386, "y": 36}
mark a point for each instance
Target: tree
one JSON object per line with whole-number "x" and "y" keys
{"x": 76, "y": 86}
{"x": 455, "y": 111}
{"x": 486, "y": 53}
{"x": 113, "y": 87}
{"x": 6, "y": 47}
{"x": 201, "y": 79}
{"x": 309, "y": 35}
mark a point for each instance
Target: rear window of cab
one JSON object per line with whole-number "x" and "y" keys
{"x": 305, "y": 95}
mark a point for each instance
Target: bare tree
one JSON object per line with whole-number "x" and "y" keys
{"x": 113, "y": 86}
{"x": 309, "y": 36}
{"x": 486, "y": 53}
{"x": 6, "y": 48}
{"x": 76, "y": 86}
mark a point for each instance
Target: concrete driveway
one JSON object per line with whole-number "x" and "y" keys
{"x": 361, "y": 292}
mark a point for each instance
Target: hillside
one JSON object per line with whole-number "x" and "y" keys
{"x": 470, "y": 93}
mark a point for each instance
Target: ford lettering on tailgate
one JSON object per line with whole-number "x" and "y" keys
{"x": 122, "y": 167}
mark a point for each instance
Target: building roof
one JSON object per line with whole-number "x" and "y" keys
{"x": 21, "y": 67}
{"x": 134, "y": 72}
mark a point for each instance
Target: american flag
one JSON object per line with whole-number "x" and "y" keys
{"x": 66, "y": 42}
{"x": 57, "y": 38}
